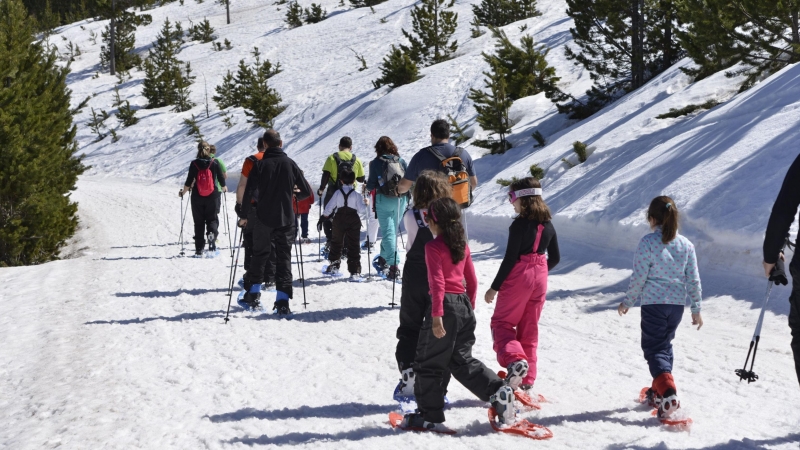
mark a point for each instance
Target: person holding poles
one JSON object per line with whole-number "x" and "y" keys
{"x": 272, "y": 182}
{"x": 330, "y": 183}
{"x": 783, "y": 214}
{"x": 204, "y": 174}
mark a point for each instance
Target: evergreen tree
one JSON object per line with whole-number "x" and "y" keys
{"x": 623, "y": 44}
{"x": 125, "y": 41}
{"x": 125, "y": 114}
{"x": 202, "y": 32}
{"x": 48, "y": 21}
{"x": 764, "y": 35}
{"x": 250, "y": 89}
{"x": 166, "y": 83}
{"x": 432, "y": 27}
{"x": 294, "y": 15}
{"x": 365, "y": 3}
{"x": 498, "y": 13}
{"x": 315, "y": 14}
{"x": 397, "y": 69}
{"x": 37, "y": 145}
{"x": 525, "y": 68}
{"x": 492, "y": 107}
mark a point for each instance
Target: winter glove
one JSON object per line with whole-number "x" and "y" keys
{"x": 319, "y": 193}
{"x": 238, "y": 210}
{"x": 778, "y": 274}
{"x": 319, "y": 223}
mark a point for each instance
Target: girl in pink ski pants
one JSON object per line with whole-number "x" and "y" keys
{"x": 521, "y": 281}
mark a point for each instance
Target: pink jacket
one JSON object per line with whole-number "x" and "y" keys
{"x": 446, "y": 277}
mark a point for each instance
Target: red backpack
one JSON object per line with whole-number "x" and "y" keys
{"x": 205, "y": 180}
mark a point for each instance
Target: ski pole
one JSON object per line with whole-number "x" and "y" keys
{"x": 369, "y": 256}
{"x": 230, "y": 276}
{"x": 777, "y": 276}
{"x": 319, "y": 232}
{"x": 235, "y": 265}
{"x": 299, "y": 254}
{"x": 227, "y": 221}
{"x": 394, "y": 260}
{"x": 183, "y": 219}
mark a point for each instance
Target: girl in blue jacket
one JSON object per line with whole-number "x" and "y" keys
{"x": 664, "y": 273}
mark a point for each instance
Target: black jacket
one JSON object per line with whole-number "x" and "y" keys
{"x": 200, "y": 164}
{"x": 783, "y": 213}
{"x": 274, "y": 177}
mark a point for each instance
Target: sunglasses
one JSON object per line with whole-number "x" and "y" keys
{"x": 514, "y": 195}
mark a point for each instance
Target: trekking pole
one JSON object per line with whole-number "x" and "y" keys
{"x": 235, "y": 265}
{"x": 394, "y": 260}
{"x": 228, "y": 222}
{"x": 777, "y": 276}
{"x": 369, "y": 256}
{"x": 299, "y": 254}
{"x": 230, "y": 276}
{"x": 319, "y": 232}
{"x": 183, "y": 219}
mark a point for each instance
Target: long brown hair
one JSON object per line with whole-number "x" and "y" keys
{"x": 385, "y": 146}
{"x": 665, "y": 214}
{"x": 532, "y": 207}
{"x": 446, "y": 214}
{"x": 429, "y": 186}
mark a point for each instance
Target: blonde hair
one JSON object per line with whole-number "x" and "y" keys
{"x": 203, "y": 150}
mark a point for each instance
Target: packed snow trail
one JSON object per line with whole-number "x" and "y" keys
{"x": 124, "y": 346}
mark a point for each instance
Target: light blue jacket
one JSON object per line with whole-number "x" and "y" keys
{"x": 664, "y": 274}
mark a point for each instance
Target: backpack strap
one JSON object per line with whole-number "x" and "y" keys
{"x": 418, "y": 217}
{"x": 435, "y": 153}
{"x": 458, "y": 152}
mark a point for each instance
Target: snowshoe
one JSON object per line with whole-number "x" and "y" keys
{"x": 356, "y": 278}
{"x": 394, "y": 274}
{"x": 198, "y": 254}
{"x": 415, "y": 422}
{"x": 525, "y": 399}
{"x": 404, "y": 392}
{"x": 516, "y": 371}
{"x": 668, "y": 411}
{"x": 250, "y": 301}
{"x": 240, "y": 283}
{"x": 326, "y": 250}
{"x": 522, "y": 427}
{"x": 332, "y": 270}
{"x": 305, "y": 240}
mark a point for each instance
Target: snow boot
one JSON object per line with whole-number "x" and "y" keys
{"x": 406, "y": 386}
{"x": 516, "y": 371}
{"x": 281, "y": 306}
{"x": 393, "y": 273}
{"x": 212, "y": 241}
{"x": 503, "y": 404}
{"x": 356, "y": 278}
{"x": 326, "y": 250}
{"x": 417, "y": 423}
{"x": 252, "y": 298}
{"x": 333, "y": 268}
{"x": 380, "y": 265}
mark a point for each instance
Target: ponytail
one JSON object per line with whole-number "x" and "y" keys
{"x": 446, "y": 214}
{"x": 665, "y": 214}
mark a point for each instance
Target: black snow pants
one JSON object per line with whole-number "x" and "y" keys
{"x": 264, "y": 238}
{"x": 346, "y": 236}
{"x": 453, "y": 352}
{"x": 247, "y": 238}
{"x": 794, "y": 312}
{"x": 415, "y": 299}
{"x": 204, "y": 214}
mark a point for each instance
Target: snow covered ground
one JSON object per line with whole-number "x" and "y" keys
{"x": 123, "y": 344}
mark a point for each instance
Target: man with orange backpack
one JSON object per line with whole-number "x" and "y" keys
{"x": 205, "y": 174}
{"x": 444, "y": 157}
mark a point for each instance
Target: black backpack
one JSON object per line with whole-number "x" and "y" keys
{"x": 393, "y": 172}
{"x": 342, "y": 166}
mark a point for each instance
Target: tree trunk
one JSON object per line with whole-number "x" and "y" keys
{"x": 795, "y": 34}
{"x": 636, "y": 45}
{"x": 436, "y": 30}
{"x": 668, "y": 14}
{"x": 228, "y": 10}
{"x": 112, "y": 26}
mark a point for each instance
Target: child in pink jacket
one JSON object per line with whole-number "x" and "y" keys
{"x": 521, "y": 283}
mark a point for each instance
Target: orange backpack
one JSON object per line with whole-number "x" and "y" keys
{"x": 455, "y": 170}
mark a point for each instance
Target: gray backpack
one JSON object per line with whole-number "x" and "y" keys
{"x": 393, "y": 172}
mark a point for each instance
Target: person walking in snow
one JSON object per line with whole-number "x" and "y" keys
{"x": 224, "y": 174}
{"x": 448, "y": 333}
{"x": 301, "y": 210}
{"x": 342, "y": 160}
{"x": 664, "y": 273}
{"x": 204, "y": 174}
{"x": 783, "y": 214}
{"x": 272, "y": 182}
{"x": 521, "y": 283}
{"x": 415, "y": 297}
{"x": 247, "y": 232}
{"x": 347, "y": 205}
{"x": 389, "y": 205}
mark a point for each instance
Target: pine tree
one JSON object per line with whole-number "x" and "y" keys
{"x": 623, "y": 44}
{"x": 525, "y": 68}
{"x": 763, "y": 35}
{"x": 315, "y": 14}
{"x": 37, "y": 143}
{"x": 432, "y": 28}
{"x": 397, "y": 69}
{"x": 166, "y": 83}
{"x": 499, "y": 13}
{"x": 48, "y": 21}
{"x": 202, "y": 32}
{"x": 294, "y": 15}
{"x": 250, "y": 90}
{"x": 365, "y": 3}
{"x": 125, "y": 114}
{"x": 125, "y": 43}
{"x": 492, "y": 107}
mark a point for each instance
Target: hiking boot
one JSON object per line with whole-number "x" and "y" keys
{"x": 669, "y": 404}
{"x": 198, "y": 253}
{"x": 356, "y": 278}
{"x": 281, "y": 308}
{"x": 252, "y": 298}
{"x": 515, "y": 372}
{"x": 212, "y": 241}
{"x": 417, "y": 422}
{"x": 333, "y": 268}
{"x": 652, "y": 398}
{"x": 503, "y": 404}
{"x": 393, "y": 273}
{"x": 406, "y": 386}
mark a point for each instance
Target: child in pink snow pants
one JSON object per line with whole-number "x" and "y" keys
{"x": 521, "y": 283}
